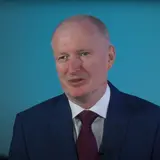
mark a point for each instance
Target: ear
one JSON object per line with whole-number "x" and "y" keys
{"x": 111, "y": 56}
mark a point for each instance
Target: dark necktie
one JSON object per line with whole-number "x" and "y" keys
{"x": 86, "y": 143}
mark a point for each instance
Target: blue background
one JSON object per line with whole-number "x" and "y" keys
{"x": 27, "y": 69}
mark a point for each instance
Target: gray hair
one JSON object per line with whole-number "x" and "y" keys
{"x": 94, "y": 20}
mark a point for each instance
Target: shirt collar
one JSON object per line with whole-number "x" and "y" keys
{"x": 100, "y": 107}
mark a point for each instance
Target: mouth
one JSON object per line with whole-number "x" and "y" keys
{"x": 77, "y": 81}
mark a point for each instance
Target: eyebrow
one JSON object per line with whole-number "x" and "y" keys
{"x": 77, "y": 51}
{"x": 63, "y": 53}
{"x": 82, "y": 50}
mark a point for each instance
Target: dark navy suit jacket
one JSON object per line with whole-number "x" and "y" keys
{"x": 45, "y": 131}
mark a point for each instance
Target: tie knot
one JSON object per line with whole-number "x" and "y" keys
{"x": 87, "y": 117}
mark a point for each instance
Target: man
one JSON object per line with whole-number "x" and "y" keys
{"x": 92, "y": 120}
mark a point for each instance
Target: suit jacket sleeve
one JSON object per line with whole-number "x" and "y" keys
{"x": 156, "y": 150}
{"x": 18, "y": 149}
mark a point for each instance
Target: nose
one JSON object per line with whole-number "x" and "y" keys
{"x": 74, "y": 64}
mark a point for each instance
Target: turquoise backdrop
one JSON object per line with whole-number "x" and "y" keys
{"x": 27, "y": 69}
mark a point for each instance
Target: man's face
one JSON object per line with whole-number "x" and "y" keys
{"x": 82, "y": 59}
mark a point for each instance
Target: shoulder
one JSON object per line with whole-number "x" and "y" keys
{"x": 135, "y": 104}
{"x": 140, "y": 106}
{"x": 42, "y": 109}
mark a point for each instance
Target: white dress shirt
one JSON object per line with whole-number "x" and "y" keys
{"x": 100, "y": 108}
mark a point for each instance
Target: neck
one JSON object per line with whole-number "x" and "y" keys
{"x": 88, "y": 100}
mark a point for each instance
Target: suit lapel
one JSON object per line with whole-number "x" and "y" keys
{"x": 115, "y": 126}
{"x": 61, "y": 130}
{"x": 62, "y": 144}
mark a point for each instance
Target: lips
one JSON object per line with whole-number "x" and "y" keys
{"x": 76, "y": 81}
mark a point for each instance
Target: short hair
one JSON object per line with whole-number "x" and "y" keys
{"x": 94, "y": 20}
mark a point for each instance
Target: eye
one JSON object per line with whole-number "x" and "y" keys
{"x": 62, "y": 58}
{"x": 84, "y": 53}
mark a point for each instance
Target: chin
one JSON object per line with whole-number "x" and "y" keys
{"x": 76, "y": 94}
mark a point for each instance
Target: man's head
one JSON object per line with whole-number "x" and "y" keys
{"x": 83, "y": 55}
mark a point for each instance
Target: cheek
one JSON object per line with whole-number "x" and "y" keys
{"x": 96, "y": 69}
{"x": 95, "y": 66}
{"x": 61, "y": 69}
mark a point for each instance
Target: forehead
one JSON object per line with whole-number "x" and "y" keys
{"x": 74, "y": 26}
{"x": 77, "y": 36}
